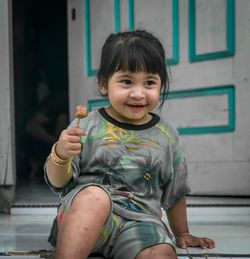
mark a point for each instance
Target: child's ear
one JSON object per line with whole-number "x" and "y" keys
{"x": 103, "y": 88}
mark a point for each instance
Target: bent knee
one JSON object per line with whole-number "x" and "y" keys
{"x": 157, "y": 251}
{"x": 93, "y": 196}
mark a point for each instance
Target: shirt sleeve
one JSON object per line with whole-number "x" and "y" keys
{"x": 177, "y": 184}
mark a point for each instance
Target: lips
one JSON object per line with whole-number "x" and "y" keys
{"x": 136, "y": 107}
{"x": 136, "y": 104}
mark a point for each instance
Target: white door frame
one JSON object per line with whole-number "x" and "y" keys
{"x": 7, "y": 127}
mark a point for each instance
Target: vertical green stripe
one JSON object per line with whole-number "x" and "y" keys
{"x": 175, "y": 34}
{"x": 175, "y": 13}
{"x": 131, "y": 15}
{"x": 87, "y": 54}
{"x": 117, "y": 18}
{"x": 230, "y": 26}
{"x": 191, "y": 29}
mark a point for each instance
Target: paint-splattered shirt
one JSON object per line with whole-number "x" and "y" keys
{"x": 142, "y": 166}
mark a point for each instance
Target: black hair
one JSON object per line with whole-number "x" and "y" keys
{"x": 134, "y": 51}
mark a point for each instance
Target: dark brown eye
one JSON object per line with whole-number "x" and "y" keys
{"x": 150, "y": 82}
{"x": 126, "y": 81}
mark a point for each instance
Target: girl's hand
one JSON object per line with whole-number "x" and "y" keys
{"x": 69, "y": 143}
{"x": 185, "y": 240}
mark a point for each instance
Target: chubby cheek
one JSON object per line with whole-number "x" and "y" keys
{"x": 117, "y": 98}
{"x": 154, "y": 99}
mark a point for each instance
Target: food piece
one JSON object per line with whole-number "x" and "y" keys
{"x": 81, "y": 111}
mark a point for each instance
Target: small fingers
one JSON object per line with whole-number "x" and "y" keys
{"x": 76, "y": 131}
{"x": 209, "y": 243}
{"x": 72, "y": 135}
{"x": 206, "y": 243}
{"x": 69, "y": 143}
{"x": 74, "y": 139}
{"x": 189, "y": 240}
{"x": 74, "y": 146}
{"x": 181, "y": 242}
{"x": 202, "y": 243}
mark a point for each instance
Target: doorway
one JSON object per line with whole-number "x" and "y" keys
{"x": 40, "y": 86}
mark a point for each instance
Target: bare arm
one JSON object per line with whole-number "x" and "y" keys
{"x": 177, "y": 217}
{"x": 67, "y": 147}
{"x": 58, "y": 175}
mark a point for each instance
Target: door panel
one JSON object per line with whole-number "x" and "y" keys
{"x": 207, "y": 49}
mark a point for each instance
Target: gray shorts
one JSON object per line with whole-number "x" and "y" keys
{"x": 120, "y": 238}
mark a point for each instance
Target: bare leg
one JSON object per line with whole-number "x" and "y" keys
{"x": 81, "y": 225}
{"x": 161, "y": 251}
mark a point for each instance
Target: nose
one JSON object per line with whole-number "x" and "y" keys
{"x": 137, "y": 92}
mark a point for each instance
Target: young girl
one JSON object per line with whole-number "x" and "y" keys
{"x": 122, "y": 164}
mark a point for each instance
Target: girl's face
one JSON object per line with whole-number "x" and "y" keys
{"x": 132, "y": 96}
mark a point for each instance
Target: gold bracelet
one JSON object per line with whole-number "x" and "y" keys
{"x": 56, "y": 159}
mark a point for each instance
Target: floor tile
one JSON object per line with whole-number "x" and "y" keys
{"x": 24, "y": 243}
{"x": 219, "y": 215}
{"x": 30, "y": 193}
{"x": 215, "y": 201}
{"x": 28, "y": 229}
{"x": 234, "y": 240}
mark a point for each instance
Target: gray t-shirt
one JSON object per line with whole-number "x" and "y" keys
{"x": 142, "y": 166}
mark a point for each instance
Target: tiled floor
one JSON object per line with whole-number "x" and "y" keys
{"x": 226, "y": 220}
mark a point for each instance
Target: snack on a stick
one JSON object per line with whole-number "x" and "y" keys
{"x": 81, "y": 112}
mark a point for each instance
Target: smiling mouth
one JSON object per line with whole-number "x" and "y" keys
{"x": 136, "y": 105}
